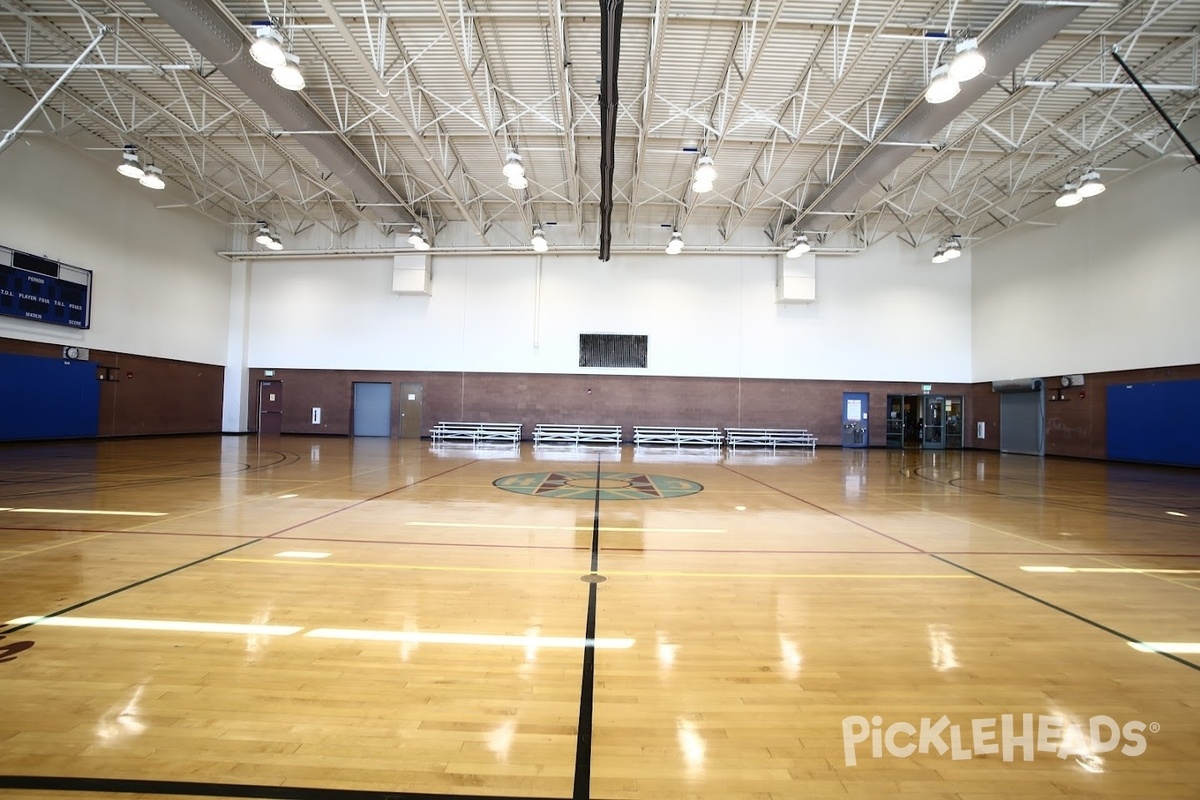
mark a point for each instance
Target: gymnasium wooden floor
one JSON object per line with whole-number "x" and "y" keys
{"x": 331, "y": 618}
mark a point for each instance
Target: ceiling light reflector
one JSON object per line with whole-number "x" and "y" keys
{"x": 1069, "y": 196}
{"x": 1090, "y": 184}
{"x": 152, "y": 179}
{"x": 968, "y": 62}
{"x": 705, "y": 171}
{"x": 268, "y": 47}
{"x": 289, "y": 75}
{"x": 675, "y": 246}
{"x": 941, "y": 87}
{"x": 129, "y": 166}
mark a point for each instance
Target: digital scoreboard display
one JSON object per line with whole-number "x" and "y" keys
{"x": 42, "y": 290}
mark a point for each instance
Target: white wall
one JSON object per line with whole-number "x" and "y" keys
{"x": 1113, "y": 285}
{"x": 885, "y": 314}
{"x": 158, "y": 287}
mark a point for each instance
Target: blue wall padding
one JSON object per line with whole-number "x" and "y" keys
{"x": 1155, "y": 422}
{"x": 47, "y": 398}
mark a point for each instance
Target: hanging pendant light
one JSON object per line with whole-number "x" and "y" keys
{"x": 941, "y": 87}
{"x": 968, "y": 62}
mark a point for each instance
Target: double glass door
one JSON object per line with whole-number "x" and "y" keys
{"x": 932, "y": 422}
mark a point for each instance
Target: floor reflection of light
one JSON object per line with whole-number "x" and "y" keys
{"x": 1091, "y": 763}
{"x": 941, "y": 648}
{"x": 287, "y": 496}
{"x": 86, "y": 511}
{"x": 302, "y": 554}
{"x": 691, "y": 744}
{"x": 1177, "y": 513}
{"x": 1114, "y": 570}
{"x": 666, "y": 651}
{"x": 500, "y": 738}
{"x": 790, "y": 657}
{"x": 1166, "y": 647}
{"x": 484, "y": 639}
{"x": 158, "y": 625}
{"x": 121, "y": 720}
{"x": 531, "y": 646}
{"x": 257, "y": 642}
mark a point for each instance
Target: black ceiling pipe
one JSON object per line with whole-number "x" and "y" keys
{"x": 610, "y": 57}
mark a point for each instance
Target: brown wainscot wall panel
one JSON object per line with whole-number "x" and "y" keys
{"x": 143, "y": 395}
{"x": 1075, "y": 415}
{"x": 625, "y": 400}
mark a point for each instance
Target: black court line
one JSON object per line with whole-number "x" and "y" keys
{"x": 196, "y": 789}
{"x": 970, "y": 571}
{"x": 1068, "y": 612}
{"x": 256, "y": 540}
{"x": 587, "y": 689}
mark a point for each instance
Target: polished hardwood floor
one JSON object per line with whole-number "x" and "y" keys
{"x": 325, "y": 617}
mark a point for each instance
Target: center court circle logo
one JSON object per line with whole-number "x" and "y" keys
{"x": 611, "y": 485}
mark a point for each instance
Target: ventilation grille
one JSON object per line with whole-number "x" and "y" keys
{"x": 612, "y": 350}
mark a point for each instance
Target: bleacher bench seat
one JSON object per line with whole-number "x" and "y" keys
{"x": 649, "y": 434}
{"x": 476, "y": 432}
{"x": 769, "y": 437}
{"x": 554, "y": 433}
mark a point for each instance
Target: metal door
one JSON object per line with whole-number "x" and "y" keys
{"x": 933, "y": 430}
{"x": 372, "y": 409}
{"x": 854, "y": 419}
{"x": 411, "y": 395}
{"x": 270, "y": 408}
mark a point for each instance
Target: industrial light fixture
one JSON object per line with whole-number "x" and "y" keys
{"x": 264, "y": 234}
{"x": 540, "y": 245}
{"x": 519, "y": 182}
{"x": 266, "y": 238}
{"x": 1090, "y": 184}
{"x": 512, "y": 165}
{"x": 268, "y": 46}
{"x": 675, "y": 246}
{"x": 941, "y": 87}
{"x": 129, "y": 166}
{"x": 799, "y": 247}
{"x": 948, "y": 249}
{"x": 705, "y": 175}
{"x": 288, "y": 75}
{"x": 152, "y": 179}
{"x": 417, "y": 239}
{"x": 968, "y": 62}
{"x": 1068, "y": 196}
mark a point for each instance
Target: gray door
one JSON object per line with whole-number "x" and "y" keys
{"x": 1021, "y": 422}
{"x": 410, "y": 410}
{"x": 854, "y": 419}
{"x": 372, "y": 409}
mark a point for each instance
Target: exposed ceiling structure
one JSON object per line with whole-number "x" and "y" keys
{"x": 812, "y": 112}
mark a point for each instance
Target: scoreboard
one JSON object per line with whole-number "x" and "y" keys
{"x": 42, "y": 290}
